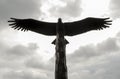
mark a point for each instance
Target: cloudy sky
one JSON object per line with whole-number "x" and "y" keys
{"x": 28, "y": 55}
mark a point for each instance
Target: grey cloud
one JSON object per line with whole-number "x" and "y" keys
{"x": 20, "y": 51}
{"x": 37, "y": 63}
{"x": 24, "y": 74}
{"x": 14, "y": 57}
{"x": 88, "y": 62}
{"x": 72, "y": 9}
{"x": 108, "y": 46}
{"x": 115, "y": 8}
{"x": 100, "y": 70}
{"x": 99, "y": 61}
{"x": 3, "y": 47}
{"x": 19, "y": 9}
{"x": 111, "y": 67}
{"x": 12, "y": 61}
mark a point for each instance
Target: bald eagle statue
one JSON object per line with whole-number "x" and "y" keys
{"x": 71, "y": 28}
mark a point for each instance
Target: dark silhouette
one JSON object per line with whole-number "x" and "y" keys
{"x": 60, "y": 63}
{"x": 71, "y": 28}
{"x": 60, "y": 30}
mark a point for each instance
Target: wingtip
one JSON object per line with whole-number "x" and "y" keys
{"x": 10, "y": 21}
{"x": 106, "y": 18}
{"x": 12, "y": 18}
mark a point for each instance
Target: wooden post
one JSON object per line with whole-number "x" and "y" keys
{"x": 60, "y": 62}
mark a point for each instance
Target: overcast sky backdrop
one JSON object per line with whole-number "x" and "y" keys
{"x": 28, "y": 55}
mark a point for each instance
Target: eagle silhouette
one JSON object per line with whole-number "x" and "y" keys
{"x": 71, "y": 28}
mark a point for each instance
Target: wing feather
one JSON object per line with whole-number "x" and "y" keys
{"x": 41, "y": 27}
{"x": 85, "y": 25}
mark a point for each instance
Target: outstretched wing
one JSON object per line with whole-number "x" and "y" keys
{"x": 41, "y": 27}
{"x": 71, "y": 28}
{"x": 85, "y": 25}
